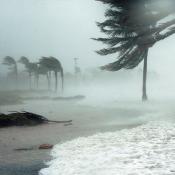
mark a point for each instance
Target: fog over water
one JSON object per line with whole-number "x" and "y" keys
{"x": 111, "y": 101}
{"x": 63, "y": 28}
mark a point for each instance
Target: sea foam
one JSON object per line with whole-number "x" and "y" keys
{"x": 145, "y": 150}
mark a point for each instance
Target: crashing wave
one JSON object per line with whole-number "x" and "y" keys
{"x": 145, "y": 150}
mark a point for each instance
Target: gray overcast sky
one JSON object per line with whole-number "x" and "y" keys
{"x": 63, "y": 28}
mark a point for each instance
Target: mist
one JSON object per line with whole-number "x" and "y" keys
{"x": 101, "y": 104}
{"x": 64, "y": 29}
{"x": 44, "y": 28}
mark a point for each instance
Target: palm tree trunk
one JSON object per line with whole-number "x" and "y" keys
{"x": 37, "y": 81}
{"x": 144, "y": 93}
{"x": 30, "y": 80}
{"x": 16, "y": 75}
{"x": 50, "y": 76}
{"x": 56, "y": 81}
{"x": 62, "y": 79}
{"x": 48, "y": 80}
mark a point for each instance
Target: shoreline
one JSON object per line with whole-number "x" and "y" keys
{"x": 87, "y": 121}
{"x": 31, "y": 162}
{"x": 16, "y": 169}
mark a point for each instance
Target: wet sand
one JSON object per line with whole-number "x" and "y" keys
{"x": 87, "y": 120}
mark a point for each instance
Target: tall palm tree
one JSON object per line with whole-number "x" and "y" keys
{"x": 53, "y": 65}
{"x": 11, "y": 63}
{"x": 32, "y": 69}
{"x": 133, "y": 26}
{"x": 42, "y": 70}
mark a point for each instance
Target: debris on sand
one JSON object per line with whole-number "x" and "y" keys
{"x": 45, "y": 146}
{"x": 25, "y": 149}
{"x": 40, "y": 147}
{"x": 25, "y": 119}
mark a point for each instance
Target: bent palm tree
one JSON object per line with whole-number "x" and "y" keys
{"x": 53, "y": 65}
{"x": 133, "y": 26}
{"x": 32, "y": 69}
{"x": 42, "y": 70}
{"x": 9, "y": 61}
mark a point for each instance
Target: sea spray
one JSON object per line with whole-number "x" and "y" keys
{"x": 147, "y": 149}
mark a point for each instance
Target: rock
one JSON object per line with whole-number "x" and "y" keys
{"x": 45, "y": 146}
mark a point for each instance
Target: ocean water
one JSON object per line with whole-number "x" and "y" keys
{"x": 95, "y": 143}
{"x": 147, "y": 149}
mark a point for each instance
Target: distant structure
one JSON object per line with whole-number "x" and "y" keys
{"x": 76, "y": 67}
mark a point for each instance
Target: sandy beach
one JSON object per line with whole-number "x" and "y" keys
{"x": 87, "y": 87}
{"x": 87, "y": 120}
{"x": 90, "y": 116}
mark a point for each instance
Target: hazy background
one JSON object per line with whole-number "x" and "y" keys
{"x": 63, "y": 28}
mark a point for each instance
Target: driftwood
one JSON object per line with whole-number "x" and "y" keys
{"x": 40, "y": 147}
{"x": 25, "y": 119}
{"x": 25, "y": 149}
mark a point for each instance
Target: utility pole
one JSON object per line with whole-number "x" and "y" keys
{"x": 76, "y": 67}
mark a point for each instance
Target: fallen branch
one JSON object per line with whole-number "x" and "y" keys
{"x": 25, "y": 118}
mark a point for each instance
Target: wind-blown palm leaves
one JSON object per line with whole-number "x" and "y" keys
{"x": 32, "y": 69}
{"x": 53, "y": 65}
{"x": 42, "y": 70}
{"x": 45, "y": 66}
{"x": 11, "y": 63}
{"x": 133, "y": 26}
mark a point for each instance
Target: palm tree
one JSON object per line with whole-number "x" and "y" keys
{"x": 42, "y": 70}
{"x": 133, "y": 26}
{"x": 32, "y": 69}
{"x": 11, "y": 63}
{"x": 53, "y": 65}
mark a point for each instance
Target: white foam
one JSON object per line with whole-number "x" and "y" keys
{"x": 146, "y": 150}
